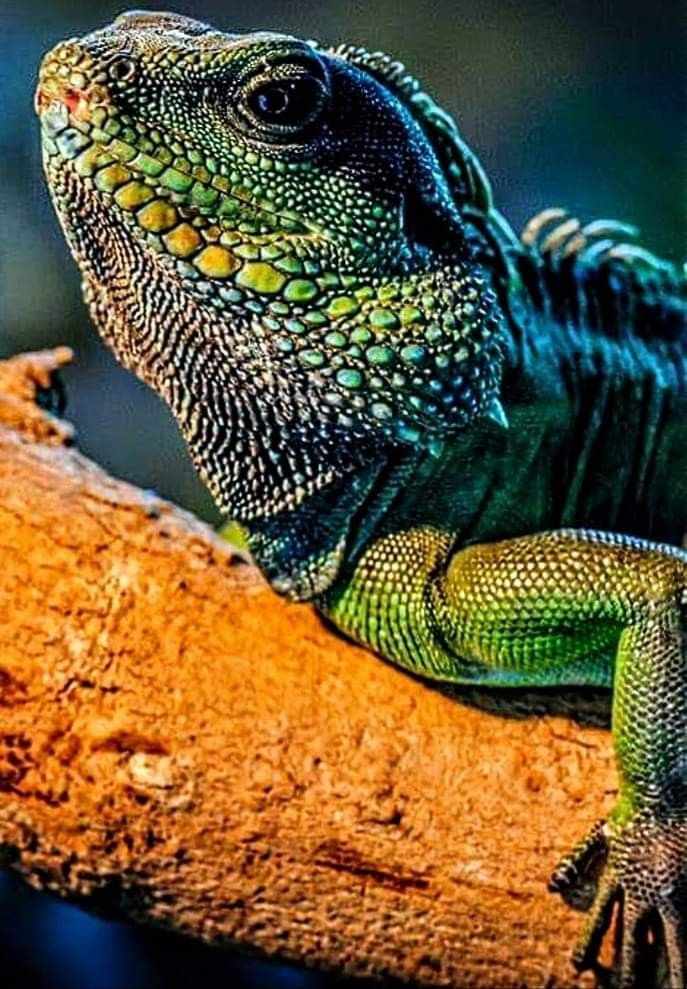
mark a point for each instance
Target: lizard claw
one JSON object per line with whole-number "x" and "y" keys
{"x": 635, "y": 874}
{"x": 576, "y": 875}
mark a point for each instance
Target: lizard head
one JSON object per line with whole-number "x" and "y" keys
{"x": 273, "y": 236}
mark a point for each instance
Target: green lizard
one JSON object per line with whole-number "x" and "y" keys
{"x": 468, "y": 450}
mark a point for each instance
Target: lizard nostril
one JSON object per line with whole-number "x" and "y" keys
{"x": 121, "y": 68}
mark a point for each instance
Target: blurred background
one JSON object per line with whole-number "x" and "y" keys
{"x": 575, "y": 104}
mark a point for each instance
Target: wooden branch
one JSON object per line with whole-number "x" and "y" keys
{"x": 179, "y": 745}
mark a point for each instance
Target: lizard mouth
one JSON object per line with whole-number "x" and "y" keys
{"x": 181, "y": 202}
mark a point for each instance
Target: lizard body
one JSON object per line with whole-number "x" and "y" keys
{"x": 469, "y": 451}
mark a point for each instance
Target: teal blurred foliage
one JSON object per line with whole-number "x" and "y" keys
{"x": 578, "y": 104}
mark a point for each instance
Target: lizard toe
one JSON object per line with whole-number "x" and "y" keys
{"x": 576, "y": 876}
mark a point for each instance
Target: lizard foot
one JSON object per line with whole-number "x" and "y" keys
{"x": 634, "y": 876}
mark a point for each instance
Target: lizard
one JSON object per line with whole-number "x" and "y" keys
{"x": 467, "y": 449}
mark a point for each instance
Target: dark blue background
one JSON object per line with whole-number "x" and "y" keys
{"x": 573, "y": 104}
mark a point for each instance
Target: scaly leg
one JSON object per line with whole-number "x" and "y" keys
{"x": 557, "y": 608}
{"x": 566, "y": 607}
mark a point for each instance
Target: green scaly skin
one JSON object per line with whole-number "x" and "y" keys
{"x": 469, "y": 451}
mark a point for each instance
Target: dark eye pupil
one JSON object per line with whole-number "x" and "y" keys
{"x": 287, "y": 102}
{"x": 273, "y": 100}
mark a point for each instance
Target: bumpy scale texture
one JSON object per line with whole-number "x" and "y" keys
{"x": 469, "y": 450}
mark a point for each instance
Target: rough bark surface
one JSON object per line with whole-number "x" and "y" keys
{"x": 180, "y": 745}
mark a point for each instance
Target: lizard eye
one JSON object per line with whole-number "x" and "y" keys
{"x": 287, "y": 102}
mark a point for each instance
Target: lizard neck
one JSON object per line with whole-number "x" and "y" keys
{"x": 304, "y": 552}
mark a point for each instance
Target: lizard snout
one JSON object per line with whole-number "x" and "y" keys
{"x": 66, "y": 77}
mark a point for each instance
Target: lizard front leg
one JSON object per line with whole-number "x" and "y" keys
{"x": 562, "y": 605}
{"x": 563, "y": 608}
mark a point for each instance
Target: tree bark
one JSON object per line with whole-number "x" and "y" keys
{"x": 180, "y": 746}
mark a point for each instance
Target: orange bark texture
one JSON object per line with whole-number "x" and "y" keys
{"x": 181, "y": 747}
